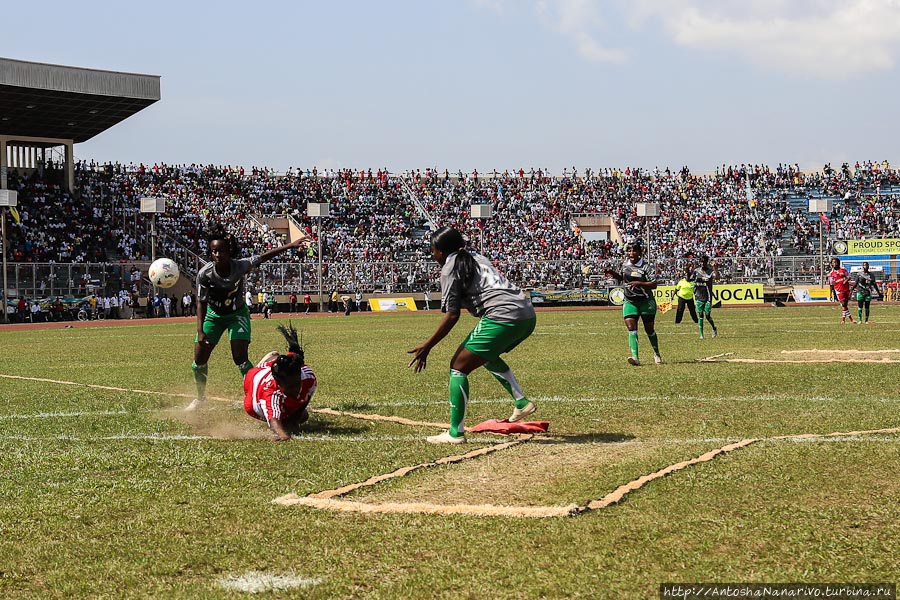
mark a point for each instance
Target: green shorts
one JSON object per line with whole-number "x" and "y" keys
{"x": 490, "y": 339}
{"x": 639, "y": 308}
{"x": 237, "y": 324}
{"x": 703, "y": 308}
{"x": 863, "y": 297}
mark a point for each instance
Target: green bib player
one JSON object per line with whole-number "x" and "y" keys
{"x": 222, "y": 305}
{"x": 703, "y": 277}
{"x": 470, "y": 281}
{"x": 864, "y": 284}
{"x": 639, "y": 278}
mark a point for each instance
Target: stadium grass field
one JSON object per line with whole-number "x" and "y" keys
{"x": 118, "y": 494}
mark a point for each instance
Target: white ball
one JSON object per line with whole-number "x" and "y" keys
{"x": 163, "y": 273}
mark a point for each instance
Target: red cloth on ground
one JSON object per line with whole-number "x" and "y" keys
{"x": 505, "y": 427}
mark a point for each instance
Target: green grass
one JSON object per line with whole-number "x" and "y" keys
{"x": 135, "y": 500}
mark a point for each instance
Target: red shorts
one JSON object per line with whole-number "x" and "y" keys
{"x": 248, "y": 406}
{"x": 842, "y": 296}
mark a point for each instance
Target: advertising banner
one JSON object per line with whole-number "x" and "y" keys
{"x": 392, "y": 304}
{"x": 732, "y": 293}
{"x": 811, "y": 294}
{"x": 579, "y": 295}
{"x": 882, "y": 246}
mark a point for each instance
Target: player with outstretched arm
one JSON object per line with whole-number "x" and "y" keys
{"x": 222, "y": 306}
{"x": 507, "y": 318}
{"x": 639, "y": 278}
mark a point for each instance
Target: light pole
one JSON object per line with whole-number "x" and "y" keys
{"x": 647, "y": 210}
{"x": 153, "y": 206}
{"x": 481, "y": 211}
{"x": 821, "y": 206}
{"x": 8, "y": 199}
{"x": 318, "y": 210}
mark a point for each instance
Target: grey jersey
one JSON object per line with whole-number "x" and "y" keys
{"x": 864, "y": 283}
{"x": 225, "y": 295}
{"x": 639, "y": 271}
{"x": 703, "y": 284}
{"x": 489, "y": 295}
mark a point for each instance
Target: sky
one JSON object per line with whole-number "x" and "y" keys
{"x": 487, "y": 84}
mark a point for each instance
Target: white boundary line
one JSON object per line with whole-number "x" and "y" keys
{"x": 182, "y": 437}
{"x": 826, "y": 351}
{"x": 105, "y": 387}
{"x": 254, "y": 582}
{"x": 50, "y": 415}
{"x": 418, "y": 438}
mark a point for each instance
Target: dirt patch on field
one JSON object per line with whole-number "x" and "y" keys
{"x": 531, "y": 473}
{"x": 219, "y": 424}
{"x": 815, "y": 355}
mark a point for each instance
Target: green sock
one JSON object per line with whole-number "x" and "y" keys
{"x": 701, "y": 325}
{"x": 859, "y": 314}
{"x": 654, "y": 341}
{"x": 244, "y": 367}
{"x": 502, "y": 373}
{"x": 633, "y": 343}
{"x": 201, "y": 373}
{"x": 459, "y": 396}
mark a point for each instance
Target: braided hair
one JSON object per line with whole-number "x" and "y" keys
{"x": 217, "y": 231}
{"x": 449, "y": 240}
{"x": 288, "y": 366}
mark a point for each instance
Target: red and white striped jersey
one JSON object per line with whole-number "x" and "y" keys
{"x": 264, "y": 401}
{"x": 840, "y": 280}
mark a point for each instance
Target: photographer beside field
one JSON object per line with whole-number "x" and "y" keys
{"x": 468, "y": 280}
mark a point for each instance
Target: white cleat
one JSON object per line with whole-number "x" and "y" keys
{"x": 445, "y": 438}
{"x": 520, "y": 413}
{"x": 195, "y": 405}
{"x": 633, "y": 361}
{"x": 271, "y": 355}
{"x": 658, "y": 359}
{"x": 715, "y": 333}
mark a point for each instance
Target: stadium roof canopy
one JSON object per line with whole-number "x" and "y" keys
{"x": 52, "y": 101}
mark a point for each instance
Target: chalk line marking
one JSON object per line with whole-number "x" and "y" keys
{"x": 182, "y": 437}
{"x": 49, "y": 415}
{"x": 325, "y": 500}
{"x": 107, "y": 387}
{"x": 372, "y": 417}
{"x": 714, "y": 357}
{"x": 446, "y": 460}
{"x": 324, "y": 411}
{"x": 254, "y": 582}
{"x": 820, "y": 351}
{"x": 618, "y": 494}
{"x": 721, "y": 358}
{"x": 507, "y": 400}
{"x": 72, "y": 438}
{"x": 880, "y": 361}
{"x": 471, "y": 510}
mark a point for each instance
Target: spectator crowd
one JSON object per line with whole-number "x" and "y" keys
{"x": 376, "y": 235}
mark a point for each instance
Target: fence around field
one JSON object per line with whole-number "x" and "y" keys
{"x": 43, "y": 280}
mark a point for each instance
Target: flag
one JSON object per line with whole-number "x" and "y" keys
{"x": 15, "y": 215}
{"x": 824, "y": 218}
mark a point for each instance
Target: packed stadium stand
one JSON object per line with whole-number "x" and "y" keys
{"x": 376, "y": 235}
